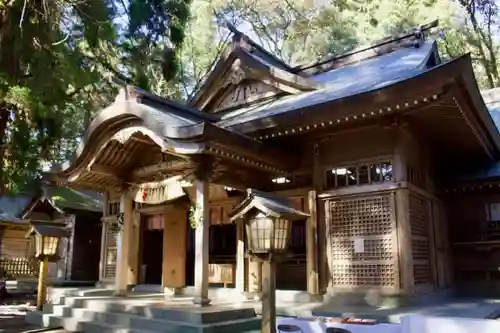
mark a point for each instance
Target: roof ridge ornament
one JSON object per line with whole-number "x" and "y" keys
{"x": 240, "y": 39}
{"x": 235, "y": 77}
{"x": 414, "y": 37}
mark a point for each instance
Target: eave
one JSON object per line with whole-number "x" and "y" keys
{"x": 486, "y": 124}
{"x": 174, "y": 131}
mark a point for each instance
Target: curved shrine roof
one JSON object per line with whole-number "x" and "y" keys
{"x": 185, "y": 127}
{"x": 361, "y": 77}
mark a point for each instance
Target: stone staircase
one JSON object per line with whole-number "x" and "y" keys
{"x": 142, "y": 314}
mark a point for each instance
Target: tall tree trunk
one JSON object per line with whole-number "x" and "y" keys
{"x": 4, "y": 120}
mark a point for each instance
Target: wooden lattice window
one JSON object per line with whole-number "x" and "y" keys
{"x": 113, "y": 208}
{"x": 374, "y": 249}
{"x": 292, "y": 181}
{"x": 353, "y": 275}
{"x": 360, "y": 174}
{"x": 369, "y": 221}
{"x": 362, "y": 216}
{"x": 111, "y": 251}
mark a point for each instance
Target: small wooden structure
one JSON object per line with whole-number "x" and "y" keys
{"x": 14, "y": 259}
{"x": 80, "y": 212}
{"x": 366, "y": 143}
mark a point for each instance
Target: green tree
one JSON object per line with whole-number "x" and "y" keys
{"x": 60, "y": 61}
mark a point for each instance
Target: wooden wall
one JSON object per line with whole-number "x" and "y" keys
{"x": 13, "y": 253}
{"x": 354, "y": 146}
{"x": 13, "y": 243}
{"x": 400, "y": 222}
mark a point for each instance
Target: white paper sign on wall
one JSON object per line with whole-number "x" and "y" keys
{"x": 359, "y": 245}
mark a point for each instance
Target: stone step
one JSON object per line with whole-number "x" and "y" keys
{"x": 62, "y": 310}
{"x": 88, "y": 321}
{"x": 170, "y": 311}
{"x": 153, "y": 326}
{"x": 180, "y": 314}
{"x": 48, "y": 320}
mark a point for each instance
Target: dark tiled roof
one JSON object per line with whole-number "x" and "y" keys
{"x": 48, "y": 230}
{"x": 372, "y": 74}
{"x": 68, "y": 198}
{"x": 12, "y": 206}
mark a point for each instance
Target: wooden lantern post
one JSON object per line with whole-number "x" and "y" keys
{"x": 268, "y": 223}
{"x": 47, "y": 239}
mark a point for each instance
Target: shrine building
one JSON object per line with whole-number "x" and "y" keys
{"x": 390, "y": 149}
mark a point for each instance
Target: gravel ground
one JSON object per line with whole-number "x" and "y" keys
{"x": 12, "y": 313}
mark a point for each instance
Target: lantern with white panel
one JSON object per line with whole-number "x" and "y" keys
{"x": 45, "y": 240}
{"x": 268, "y": 222}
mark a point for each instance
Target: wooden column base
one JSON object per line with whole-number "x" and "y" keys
{"x": 268, "y": 297}
{"x": 201, "y": 301}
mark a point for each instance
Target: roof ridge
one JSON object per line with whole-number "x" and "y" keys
{"x": 238, "y": 34}
{"x": 140, "y": 95}
{"x": 392, "y": 43}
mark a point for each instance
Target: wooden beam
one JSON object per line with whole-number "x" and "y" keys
{"x": 458, "y": 94}
{"x": 170, "y": 166}
{"x": 102, "y": 170}
{"x": 94, "y": 186}
{"x": 141, "y": 140}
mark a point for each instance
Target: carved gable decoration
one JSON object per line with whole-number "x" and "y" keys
{"x": 244, "y": 92}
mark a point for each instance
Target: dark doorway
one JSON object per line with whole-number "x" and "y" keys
{"x": 152, "y": 249}
{"x": 86, "y": 247}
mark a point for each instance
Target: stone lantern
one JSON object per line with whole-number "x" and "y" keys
{"x": 46, "y": 239}
{"x": 268, "y": 222}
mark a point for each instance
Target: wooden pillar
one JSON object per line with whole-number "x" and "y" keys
{"x": 104, "y": 230}
{"x": 133, "y": 259}
{"x": 254, "y": 277}
{"x": 268, "y": 297}
{"x": 201, "y": 244}
{"x": 402, "y": 199}
{"x": 312, "y": 245}
{"x": 102, "y": 260}
{"x": 68, "y": 258}
{"x": 323, "y": 240}
{"x": 174, "y": 250}
{"x": 402, "y": 202}
{"x": 124, "y": 272}
{"x": 240, "y": 257}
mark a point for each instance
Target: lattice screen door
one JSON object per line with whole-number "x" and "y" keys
{"x": 368, "y": 221}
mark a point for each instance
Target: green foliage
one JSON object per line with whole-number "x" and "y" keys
{"x": 195, "y": 216}
{"x": 59, "y": 64}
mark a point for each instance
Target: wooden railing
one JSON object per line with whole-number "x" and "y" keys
{"x": 18, "y": 266}
{"x": 222, "y": 270}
